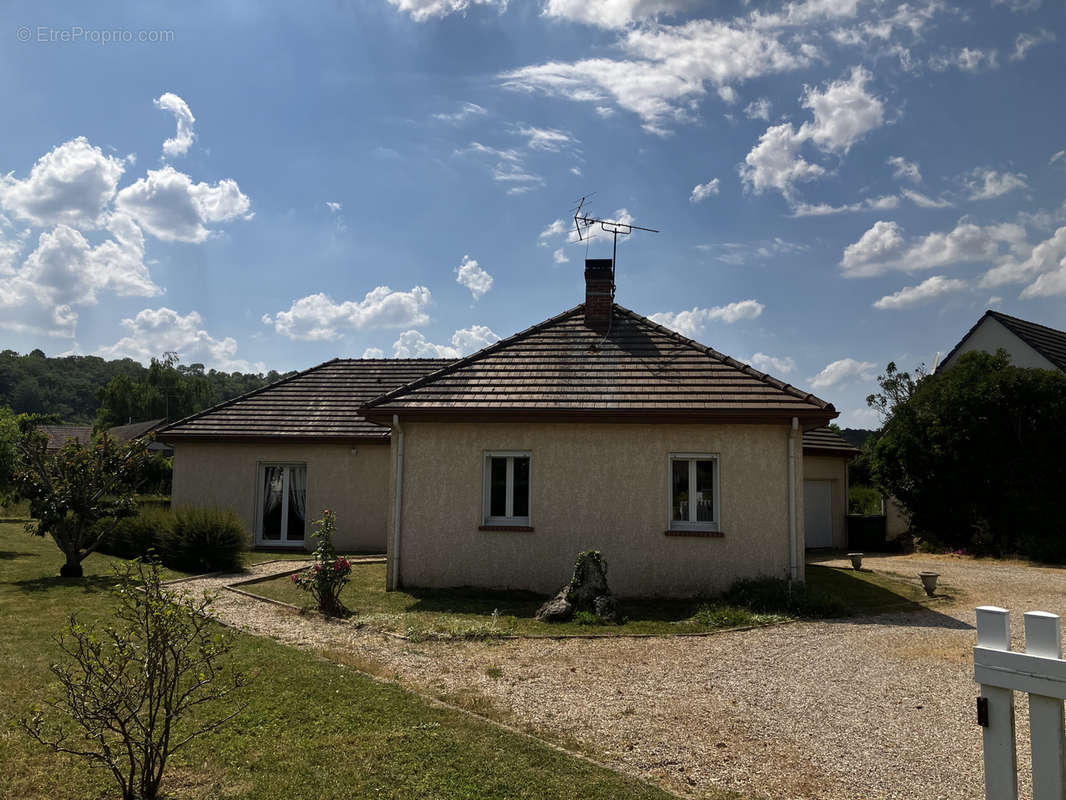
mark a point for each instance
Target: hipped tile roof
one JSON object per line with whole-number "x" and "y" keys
{"x": 321, "y": 403}
{"x": 829, "y": 442}
{"x": 125, "y": 433}
{"x": 59, "y": 435}
{"x": 639, "y": 368}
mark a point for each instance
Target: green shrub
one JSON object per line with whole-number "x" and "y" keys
{"x": 205, "y": 540}
{"x": 722, "y": 616}
{"x": 135, "y": 537}
{"x": 777, "y": 596}
{"x": 587, "y": 618}
{"x": 864, "y": 500}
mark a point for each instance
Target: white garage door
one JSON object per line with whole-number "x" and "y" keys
{"x": 818, "y": 513}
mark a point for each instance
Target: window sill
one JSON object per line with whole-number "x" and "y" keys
{"x": 505, "y": 528}
{"x": 698, "y": 534}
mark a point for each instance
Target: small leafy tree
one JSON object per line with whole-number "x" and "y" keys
{"x": 328, "y": 573}
{"x": 127, "y": 689}
{"x": 72, "y": 490}
{"x": 896, "y": 388}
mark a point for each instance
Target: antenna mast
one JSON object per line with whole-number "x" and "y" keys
{"x": 612, "y": 227}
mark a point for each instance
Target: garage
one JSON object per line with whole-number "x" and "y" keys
{"x": 818, "y": 512}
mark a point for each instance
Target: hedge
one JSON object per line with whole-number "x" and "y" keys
{"x": 189, "y": 539}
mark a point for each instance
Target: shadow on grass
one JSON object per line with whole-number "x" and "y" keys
{"x": 869, "y": 596}
{"x": 88, "y": 584}
{"x": 8, "y": 555}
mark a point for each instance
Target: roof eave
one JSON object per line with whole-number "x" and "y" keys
{"x": 382, "y": 415}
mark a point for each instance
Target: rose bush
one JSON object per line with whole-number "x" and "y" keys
{"x": 329, "y": 573}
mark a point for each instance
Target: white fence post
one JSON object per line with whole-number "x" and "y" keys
{"x": 1001, "y": 763}
{"x": 1045, "y": 713}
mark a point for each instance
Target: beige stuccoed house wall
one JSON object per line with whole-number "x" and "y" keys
{"x": 835, "y": 469}
{"x": 595, "y": 486}
{"x": 351, "y": 480}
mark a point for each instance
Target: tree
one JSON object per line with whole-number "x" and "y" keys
{"x": 127, "y": 691}
{"x": 73, "y": 490}
{"x": 974, "y": 455}
{"x": 896, "y": 387}
{"x": 9, "y": 438}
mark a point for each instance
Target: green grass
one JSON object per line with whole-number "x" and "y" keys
{"x": 477, "y": 614}
{"x": 312, "y": 729}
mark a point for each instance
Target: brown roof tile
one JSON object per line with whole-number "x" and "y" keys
{"x": 1050, "y": 343}
{"x": 321, "y": 403}
{"x": 562, "y": 367}
{"x": 59, "y": 435}
{"x": 828, "y": 441}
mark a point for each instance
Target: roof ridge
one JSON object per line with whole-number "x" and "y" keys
{"x": 747, "y": 369}
{"x": 470, "y": 359}
{"x": 998, "y": 314}
{"x": 1007, "y": 321}
{"x": 240, "y": 397}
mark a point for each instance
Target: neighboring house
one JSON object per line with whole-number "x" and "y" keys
{"x": 1027, "y": 343}
{"x": 281, "y": 454}
{"x": 596, "y": 429}
{"x": 135, "y": 430}
{"x": 59, "y": 435}
{"x": 825, "y": 487}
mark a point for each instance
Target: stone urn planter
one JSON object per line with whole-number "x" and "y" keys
{"x": 929, "y": 581}
{"x": 856, "y": 560}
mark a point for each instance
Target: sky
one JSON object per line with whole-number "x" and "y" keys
{"x": 254, "y": 185}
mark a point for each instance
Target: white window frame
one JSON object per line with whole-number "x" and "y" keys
{"x": 486, "y": 504}
{"x": 692, "y": 525}
{"x": 284, "y": 541}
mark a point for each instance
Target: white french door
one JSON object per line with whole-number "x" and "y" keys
{"x": 282, "y": 505}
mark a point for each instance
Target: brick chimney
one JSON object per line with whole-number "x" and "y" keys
{"x": 599, "y": 293}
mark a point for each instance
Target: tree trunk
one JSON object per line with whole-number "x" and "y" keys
{"x": 72, "y": 569}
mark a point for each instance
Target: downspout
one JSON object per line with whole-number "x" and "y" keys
{"x": 792, "y": 565}
{"x": 397, "y": 438}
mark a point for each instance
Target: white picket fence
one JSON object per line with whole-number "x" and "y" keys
{"x": 1041, "y": 673}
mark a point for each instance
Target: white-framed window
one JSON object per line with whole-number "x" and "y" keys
{"x": 694, "y": 497}
{"x": 508, "y": 483}
{"x": 282, "y": 517}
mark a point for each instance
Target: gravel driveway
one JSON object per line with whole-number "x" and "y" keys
{"x": 874, "y": 707}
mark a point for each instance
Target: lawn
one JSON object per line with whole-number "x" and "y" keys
{"x": 474, "y": 613}
{"x": 312, "y": 729}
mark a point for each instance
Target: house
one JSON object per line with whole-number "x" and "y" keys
{"x": 279, "y": 455}
{"x": 59, "y": 435}
{"x": 825, "y": 487}
{"x": 1028, "y": 343}
{"x": 135, "y": 430}
{"x": 595, "y": 429}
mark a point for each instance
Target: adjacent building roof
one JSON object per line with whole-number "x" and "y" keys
{"x": 826, "y": 441}
{"x": 1050, "y": 343}
{"x": 59, "y": 435}
{"x": 321, "y": 403}
{"x": 563, "y": 369}
{"x": 135, "y": 430}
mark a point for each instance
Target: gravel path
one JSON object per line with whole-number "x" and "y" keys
{"x": 874, "y": 707}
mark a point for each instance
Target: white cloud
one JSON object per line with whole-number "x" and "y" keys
{"x": 690, "y": 323}
{"x": 1019, "y": 5}
{"x": 171, "y": 207}
{"x": 11, "y": 245}
{"x": 772, "y": 364}
{"x": 988, "y": 183}
{"x": 73, "y": 184}
{"x": 184, "y": 137}
{"x": 667, "y": 71}
{"x": 373, "y": 352}
{"x": 843, "y": 371}
{"x": 507, "y": 167}
{"x": 902, "y": 169}
{"x": 758, "y": 109}
{"x": 1045, "y": 257}
{"x": 737, "y": 253}
{"x": 612, "y": 13}
{"x": 804, "y": 12}
{"x": 925, "y": 291}
{"x": 883, "y": 203}
{"x": 546, "y": 139}
{"x": 559, "y": 256}
{"x": 473, "y": 277}
{"x": 1024, "y": 42}
{"x": 318, "y": 317}
{"x": 423, "y": 10}
{"x": 465, "y": 112}
{"x": 156, "y": 331}
{"x": 333, "y": 206}
{"x": 882, "y": 248}
{"x": 702, "y": 191}
{"x": 413, "y": 344}
{"x": 843, "y": 113}
{"x": 967, "y": 59}
{"x": 924, "y": 201}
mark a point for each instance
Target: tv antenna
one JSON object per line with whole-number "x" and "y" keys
{"x": 613, "y": 227}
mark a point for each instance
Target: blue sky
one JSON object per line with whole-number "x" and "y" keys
{"x": 839, "y": 183}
